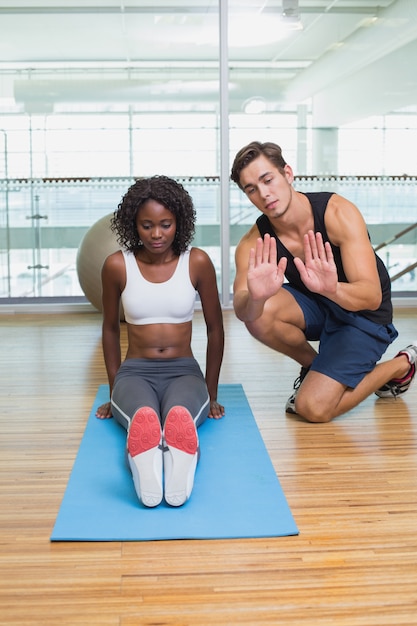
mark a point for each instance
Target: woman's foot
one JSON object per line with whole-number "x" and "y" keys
{"x": 180, "y": 455}
{"x": 144, "y": 447}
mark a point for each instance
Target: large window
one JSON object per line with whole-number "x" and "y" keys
{"x": 379, "y": 146}
{"x": 75, "y": 135}
{"x": 65, "y": 172}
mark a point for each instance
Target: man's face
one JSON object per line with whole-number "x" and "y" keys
{"x": 267, "y": 187}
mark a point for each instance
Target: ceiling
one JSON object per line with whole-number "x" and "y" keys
{"x": 352, "y": 58}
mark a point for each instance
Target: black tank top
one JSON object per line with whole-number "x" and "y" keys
{"x": 318, "y": 201}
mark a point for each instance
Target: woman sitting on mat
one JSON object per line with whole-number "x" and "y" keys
{"x": 159, "y": 394}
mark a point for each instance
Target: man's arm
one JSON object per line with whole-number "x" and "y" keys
{"x": 346, "y": 229}
{"x": 258, "y": 276}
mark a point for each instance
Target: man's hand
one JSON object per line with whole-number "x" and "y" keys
{"x": 318, "y": 272}
{"x": 265, "y": 276}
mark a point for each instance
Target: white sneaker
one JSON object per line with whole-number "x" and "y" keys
{"x": 396, "y": 386}
{"x": 144, "y": 448}
{"x": 180, "y": 455}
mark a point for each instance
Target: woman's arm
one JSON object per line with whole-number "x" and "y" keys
{"x": 112, "y": 277}
{"x": 204, "y": 277}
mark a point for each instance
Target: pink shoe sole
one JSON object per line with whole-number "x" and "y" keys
{"x": 144, "y": 431}
{"x": 180, "y": 455}
{"x": 145, "y": 456}
{"x": 180, "y": 431}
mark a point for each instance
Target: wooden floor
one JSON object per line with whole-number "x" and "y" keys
{"x": 351, "y": 486}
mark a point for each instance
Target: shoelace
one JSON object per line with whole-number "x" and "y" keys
{"x": 299, "y": 380}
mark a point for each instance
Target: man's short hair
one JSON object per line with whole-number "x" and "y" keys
{"x": 253, "y": 150}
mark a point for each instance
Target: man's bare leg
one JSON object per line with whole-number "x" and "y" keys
{"x": 281, "y": 328}
{"x": 321, "y": 398}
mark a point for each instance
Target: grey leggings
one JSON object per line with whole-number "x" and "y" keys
{"x": 159, "y": 384}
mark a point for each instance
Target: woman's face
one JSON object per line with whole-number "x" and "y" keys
{"x": 156, "y": 226}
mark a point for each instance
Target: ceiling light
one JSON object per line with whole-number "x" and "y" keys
{"x": 290, "y": 15}
{"x": 254, "y": 106}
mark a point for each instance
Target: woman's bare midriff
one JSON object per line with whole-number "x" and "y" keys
{"x": 159, "y": 341}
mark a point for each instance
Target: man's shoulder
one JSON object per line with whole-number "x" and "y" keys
{"x": 250, "y": 236}
{"x": 340, "y": 207}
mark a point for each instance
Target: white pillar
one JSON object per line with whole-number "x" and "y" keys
{"x": 325, "y": 150}
{"x": 301, "y": 139}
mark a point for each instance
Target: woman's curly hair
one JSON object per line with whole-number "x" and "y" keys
{"x": 164, "y": 190}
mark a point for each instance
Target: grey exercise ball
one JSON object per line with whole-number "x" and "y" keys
{"x": 96, "y": 245}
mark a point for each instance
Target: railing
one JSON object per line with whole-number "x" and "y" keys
{"x": 409, "y": 268}
{"x": 38, "y": 256}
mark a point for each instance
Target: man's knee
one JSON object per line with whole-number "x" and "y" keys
{"x": 313, "y": 412}
{"x": 258, "y": 329}
{"x": 253, "y": 328}
{"x": 318, "y": 398}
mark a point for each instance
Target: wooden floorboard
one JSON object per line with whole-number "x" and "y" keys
{"x": 351, "y": 486}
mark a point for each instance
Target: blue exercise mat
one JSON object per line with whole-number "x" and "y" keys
{"x": 236, "y": 491}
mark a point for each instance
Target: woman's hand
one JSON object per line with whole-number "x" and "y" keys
{"x": 104, "y": 411}
{"x": 216, "y": 410}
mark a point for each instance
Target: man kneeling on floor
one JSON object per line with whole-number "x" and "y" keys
{"x": 338, "y": 291}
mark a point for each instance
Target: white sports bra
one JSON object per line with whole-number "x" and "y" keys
{"x": 170, "y": 302}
